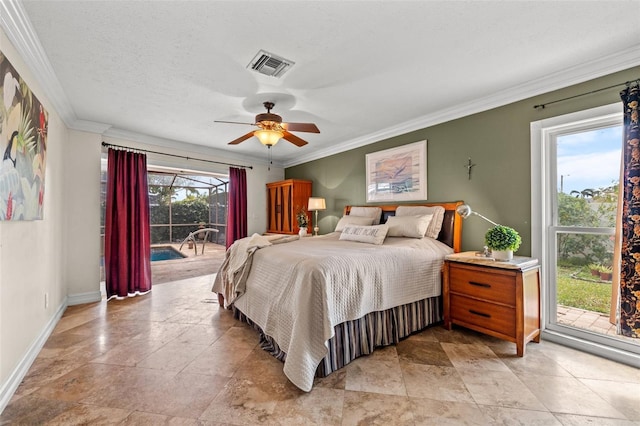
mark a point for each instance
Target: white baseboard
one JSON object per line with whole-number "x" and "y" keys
{"x": 595, "y": 348}
{"x": 82, "y": 298}
{"x": 8, "y": 388}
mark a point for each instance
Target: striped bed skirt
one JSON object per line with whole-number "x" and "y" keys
{"x": 360, "y": 337}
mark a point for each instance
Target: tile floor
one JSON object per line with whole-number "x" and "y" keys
{"x": 174, "y": 357}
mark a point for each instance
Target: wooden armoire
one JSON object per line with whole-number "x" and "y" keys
{"x": 284, "y": 199}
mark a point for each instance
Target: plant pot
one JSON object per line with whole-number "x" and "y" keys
{"x": 302, "y": 232}
{"x": 503, "y": 255}
{"x": 595, "y": 272}
{"x": 606, "y": 276}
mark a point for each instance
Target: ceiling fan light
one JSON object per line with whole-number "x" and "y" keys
{"x": 268, "y": 137}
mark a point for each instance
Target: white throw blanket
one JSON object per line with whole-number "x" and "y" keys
{"x": 232, "y": 276}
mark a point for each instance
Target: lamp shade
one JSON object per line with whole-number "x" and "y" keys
{"x": 316, "y": 203}
{"x": 268, "y": 137}
{"x": 465, "y": 211}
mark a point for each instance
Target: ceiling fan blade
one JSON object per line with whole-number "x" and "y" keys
{"x": 294, "y": 139}
{"x": 233, "y": 122}
{"x": 241, "y": 139}
{"x": 301, "y": 127}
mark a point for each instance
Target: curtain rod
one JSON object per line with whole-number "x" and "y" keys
{"x": 627, "y": 83}
{"x": 110, "y": 145}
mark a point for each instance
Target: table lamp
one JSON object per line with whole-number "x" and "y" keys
{"x": 315, "y": 204}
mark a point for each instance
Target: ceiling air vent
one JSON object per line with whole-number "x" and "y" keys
{"x": 269, "y": 64}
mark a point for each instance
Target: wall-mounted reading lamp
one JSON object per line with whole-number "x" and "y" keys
{"x": 465, "y": 211}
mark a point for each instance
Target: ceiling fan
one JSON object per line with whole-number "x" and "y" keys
{"x": 272, "y": 129}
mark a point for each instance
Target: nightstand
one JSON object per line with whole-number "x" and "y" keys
{"x": 501, "y": 299}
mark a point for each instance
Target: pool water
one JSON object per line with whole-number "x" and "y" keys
{"x": 165, "y": 253}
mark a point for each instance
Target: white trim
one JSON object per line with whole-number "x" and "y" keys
{"x": 81, "y": 298}
{"x": 10, "y": 386}
{"x": 16, "y": 25}
{"x": 541, "y": 133}
{"x": 225, "y": 156}
{"x": 578, "y": 74}
{"x": 594, "y": 348}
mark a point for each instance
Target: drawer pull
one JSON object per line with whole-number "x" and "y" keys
{"x": 480, "y": 314}
{"x": 480, "y": 284}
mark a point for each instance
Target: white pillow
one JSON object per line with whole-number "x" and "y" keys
{"x": 408, "y": 226}
{"x": 374, "y": 212}
{"x": 365, "y": 234}
{"x": 436, "y": 222}
{"x": 353, "y": 220}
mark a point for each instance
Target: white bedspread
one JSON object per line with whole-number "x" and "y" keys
{"x": 232, "y": 276}
{"x": 297, "y": 292}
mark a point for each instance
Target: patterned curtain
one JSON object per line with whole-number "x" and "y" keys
{"x": 237, "y": 214}
{"x": 127, "y": 239}
{"x": 629, "y": 324}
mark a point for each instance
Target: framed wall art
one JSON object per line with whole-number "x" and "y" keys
{"x": 398, "y": 174}
{"x": 23, "y": 145}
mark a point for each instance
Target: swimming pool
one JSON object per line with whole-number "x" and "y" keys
{"x": 165, "y": 253}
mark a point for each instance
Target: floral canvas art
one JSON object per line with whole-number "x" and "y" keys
{"x": 23, "y": 144}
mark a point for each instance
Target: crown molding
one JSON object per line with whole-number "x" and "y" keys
{"x": 20, "y": 32}
{"x": 220, "y": 155}
{"x": 17, "y": 27}
{"x": 609, "y": 64}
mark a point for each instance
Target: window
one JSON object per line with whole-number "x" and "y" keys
{"x": 575, "y": 176}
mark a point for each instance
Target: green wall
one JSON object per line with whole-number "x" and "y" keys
{"x": 497, "y": 141}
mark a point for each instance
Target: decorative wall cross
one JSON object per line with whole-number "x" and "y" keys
{"x": 469, "y": 166}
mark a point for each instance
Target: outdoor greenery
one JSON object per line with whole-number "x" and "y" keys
{"x": 579, "y": 254}
{"x": 578, "y": 289}
{"x": 587, "y": 208}
{"x": 192, "y": 210}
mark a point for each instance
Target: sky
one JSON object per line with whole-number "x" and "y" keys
{"x": 589, "y": 159}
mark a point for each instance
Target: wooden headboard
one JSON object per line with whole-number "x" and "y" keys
{"x": 451, "y": 232}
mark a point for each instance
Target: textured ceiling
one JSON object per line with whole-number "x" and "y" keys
{"x": 363, "y": 70}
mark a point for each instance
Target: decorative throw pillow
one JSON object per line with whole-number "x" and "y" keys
{"x": 365, "y": 234}
{"x": 408, "y": 226}
{"x": 352, "y": 220}
{"x": 373, "y": 212}
{"x": 436, "y": 222}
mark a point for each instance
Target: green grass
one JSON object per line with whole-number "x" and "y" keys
{"x": 582, "y": 293}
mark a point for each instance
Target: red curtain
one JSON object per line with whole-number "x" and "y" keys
{"x": 127, "y": 240}
{"x": 237, "y": 214}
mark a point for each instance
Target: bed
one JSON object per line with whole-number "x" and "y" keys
{"x": 320, "y": 302}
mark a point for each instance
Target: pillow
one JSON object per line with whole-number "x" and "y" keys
{"x": 408, "y": 226}
{"x": 365, "y": 234}
{"x": 373, "y": 212}
{"x": 436, "y": 222}
{"x": 353, "y": 220}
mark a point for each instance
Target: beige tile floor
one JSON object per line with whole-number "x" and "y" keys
{"x": 174, "y": 357}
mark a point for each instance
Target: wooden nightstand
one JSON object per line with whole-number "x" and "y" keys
{"x": 501, "y": 299}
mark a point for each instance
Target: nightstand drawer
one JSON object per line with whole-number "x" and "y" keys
{"x": 482, "y": 314}
{"x": 483, "y": 285}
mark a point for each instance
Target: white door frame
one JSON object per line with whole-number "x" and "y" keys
{"x": 543, "y": 179}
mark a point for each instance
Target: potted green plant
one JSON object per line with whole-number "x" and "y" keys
{"x": 595, "y": 269}
{"x": 502, "y": 241}
{"x": 606, "y": 273}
